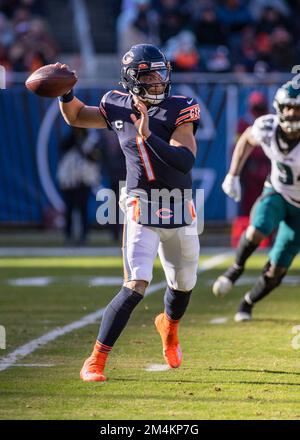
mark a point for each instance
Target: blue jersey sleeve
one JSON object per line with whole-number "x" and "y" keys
{"x": 188, "y": 110}
{"x": 105, "y": 109}
{"x": 112, "y": 106}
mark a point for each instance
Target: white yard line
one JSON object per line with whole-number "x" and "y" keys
{"x": 157, "y": 367}
{"x": 246, "y": 280}
{"x": 35, "y": 365}
{"x": 214, "y": 261}
{"x": 31, "y": 282}
{"x": 26, "y": 349}
{"x": 220, "y": 320}
{"x": 105, "y": 281}
{"x": 28, "y": 252}
{"x": 90, "y": 281}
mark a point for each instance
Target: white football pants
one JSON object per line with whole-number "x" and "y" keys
{"x": 178, "y": 250}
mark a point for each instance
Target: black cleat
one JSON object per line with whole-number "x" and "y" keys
{"x": 244, "y": 312}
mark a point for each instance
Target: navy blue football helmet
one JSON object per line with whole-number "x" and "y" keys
{"x": 144, "y": 59}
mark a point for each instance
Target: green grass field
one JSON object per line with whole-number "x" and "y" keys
{"x": 230, "y": 371}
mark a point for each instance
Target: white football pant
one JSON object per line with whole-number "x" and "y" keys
{"x": 178, "y": 250}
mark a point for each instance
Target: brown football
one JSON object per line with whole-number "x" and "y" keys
{"x": 51, "y": 81}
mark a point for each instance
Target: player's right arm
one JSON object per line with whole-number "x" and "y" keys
{"x": 77, "y": 114}
{"x": 231, "y": 185}
{"x": 242, "y": 151}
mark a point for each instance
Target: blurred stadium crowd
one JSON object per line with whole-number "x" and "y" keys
{"x": 221, "y": 36}
{"x": 198, "y": 35}
{"x": 216, "y": 36}
{"x": 26, "y": 42}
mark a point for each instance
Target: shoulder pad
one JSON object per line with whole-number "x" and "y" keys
{"x": 263, "y": 128}
{"x": 266, "y": 122}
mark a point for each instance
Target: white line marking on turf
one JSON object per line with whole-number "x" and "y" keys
{"x": 32, "y": 282}
{"x": 155, "y": 287}
{"x": 46, "y": 281}
{"x": 34, "y": 365}
{"x": 31, "y": 346}
{"x": 220, "y": 320}
{"x": 290, "y": 280}
{"x": 157, "y": 367}
{"x": 214, "y": 261}
{"x": 26, "y": 349}
{"x": 105, "y": 281}
{"x": 28, "y": 252}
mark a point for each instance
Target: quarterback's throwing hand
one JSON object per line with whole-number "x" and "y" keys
{"x": 141, "y": 124}
{"x": 232, "y": 187}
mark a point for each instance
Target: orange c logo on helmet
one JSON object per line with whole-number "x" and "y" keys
{"x": 128, "y": 57}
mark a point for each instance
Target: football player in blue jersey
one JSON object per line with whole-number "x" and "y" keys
{"x": 156, "y": 133}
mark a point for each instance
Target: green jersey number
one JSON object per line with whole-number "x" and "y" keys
{"x": 286, "y": 175}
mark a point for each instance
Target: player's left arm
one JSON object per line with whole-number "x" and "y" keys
{"x": 176, "y": 154}
{"x": 184, "y": 136}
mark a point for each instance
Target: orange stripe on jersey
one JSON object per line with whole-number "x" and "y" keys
{"x": 189, "y": 108}
{"x": 150, "y": 164}
{"x": 189, "y": 113}
{"x": 187, "y": 116}
{"x": 120, "y": 93}
{"x": 145, "y": 158}
{"x": 186, "y": 120}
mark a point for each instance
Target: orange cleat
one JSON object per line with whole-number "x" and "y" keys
{"x": 168, "y": 331}
{"x": 92, "y": 370}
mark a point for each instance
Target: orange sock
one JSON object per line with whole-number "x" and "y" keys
{"x": 171, "y": 328}
{"x": 101, "y": 352}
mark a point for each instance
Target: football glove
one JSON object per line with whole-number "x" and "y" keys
{"x": 232, "y": 187}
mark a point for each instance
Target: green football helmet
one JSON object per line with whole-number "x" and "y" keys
{"x": 289, "y": 95}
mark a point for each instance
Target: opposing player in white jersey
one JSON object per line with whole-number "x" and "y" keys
{"x": 279, "y": 204}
